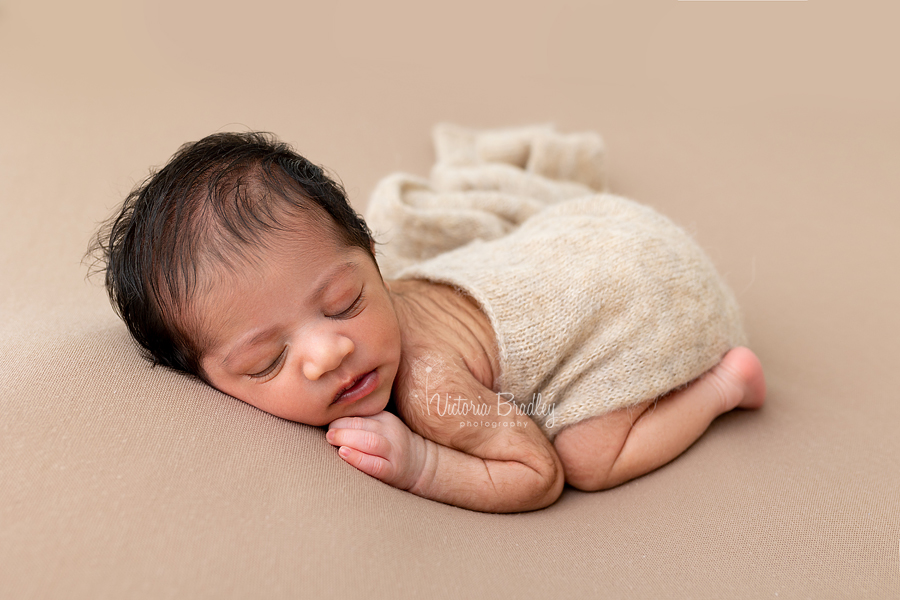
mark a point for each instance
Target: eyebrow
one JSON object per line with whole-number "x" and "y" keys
{"x": 242, "y": 347}
{"x": 335, "y": 274}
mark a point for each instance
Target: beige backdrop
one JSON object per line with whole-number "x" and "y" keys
{"x": 770, "y": 130}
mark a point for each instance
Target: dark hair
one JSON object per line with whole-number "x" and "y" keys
{"x": 214, "y": 199}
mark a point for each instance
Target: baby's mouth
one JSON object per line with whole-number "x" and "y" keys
{"x": 358, "y": 388}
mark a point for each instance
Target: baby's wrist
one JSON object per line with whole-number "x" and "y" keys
{"x": 424, "y": 462}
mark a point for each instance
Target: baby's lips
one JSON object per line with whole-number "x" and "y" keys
{"x": 348, "y": 386}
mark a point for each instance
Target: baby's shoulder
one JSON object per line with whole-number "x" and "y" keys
{"x": 441, "y": 360}
{"x": 442, "y": 329}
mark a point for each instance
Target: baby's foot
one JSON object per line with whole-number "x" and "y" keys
{"x": 740, "y": 375}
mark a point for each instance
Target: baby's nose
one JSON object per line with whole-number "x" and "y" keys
{"x": 326, "y": 355}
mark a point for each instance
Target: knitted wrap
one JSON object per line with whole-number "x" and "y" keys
{"x": 598, "y": 303}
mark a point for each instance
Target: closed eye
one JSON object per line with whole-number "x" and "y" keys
{"x": 351, "y": 311}
{"x": 272, "y": 369}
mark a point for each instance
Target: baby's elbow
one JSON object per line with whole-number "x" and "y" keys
{"x": 547, "y": 484}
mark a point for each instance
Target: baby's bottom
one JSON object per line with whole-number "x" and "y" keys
{"x": 605, "y": 451}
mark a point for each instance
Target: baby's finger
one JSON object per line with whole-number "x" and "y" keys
{"x": 369, "y": 442}
{"x": 375, "y": 466}
{"x": 385, "y": 418}
{"x": 354, "y": 423}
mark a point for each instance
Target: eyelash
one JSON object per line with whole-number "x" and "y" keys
{"x": 348, "y": 313}
{"x": 271, "y": 369}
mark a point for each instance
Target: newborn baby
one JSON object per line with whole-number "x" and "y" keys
{"x": 243, "y": 264}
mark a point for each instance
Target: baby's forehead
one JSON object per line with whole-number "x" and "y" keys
{"x": 224, "y": 268}
{"x": 270, "y": 255}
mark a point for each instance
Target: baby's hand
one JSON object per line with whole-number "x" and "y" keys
{"x": 381, "y": 446}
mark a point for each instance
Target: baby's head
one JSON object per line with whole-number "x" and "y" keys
{"x": 243, "y": 264}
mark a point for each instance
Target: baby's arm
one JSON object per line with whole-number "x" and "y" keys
{"x": 510, "y": 467}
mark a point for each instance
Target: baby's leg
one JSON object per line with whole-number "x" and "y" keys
{"x": 602, "y": 452}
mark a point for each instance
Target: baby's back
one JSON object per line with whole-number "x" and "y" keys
{"x": 597, "y": 303}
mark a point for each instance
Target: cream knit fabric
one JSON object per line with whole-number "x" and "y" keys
{"x": 597, "y": 302}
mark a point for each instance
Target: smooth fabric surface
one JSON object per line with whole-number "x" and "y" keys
{"x": 769, "y": 130}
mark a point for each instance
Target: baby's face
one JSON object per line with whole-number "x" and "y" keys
{"x": 311, "y": 336}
